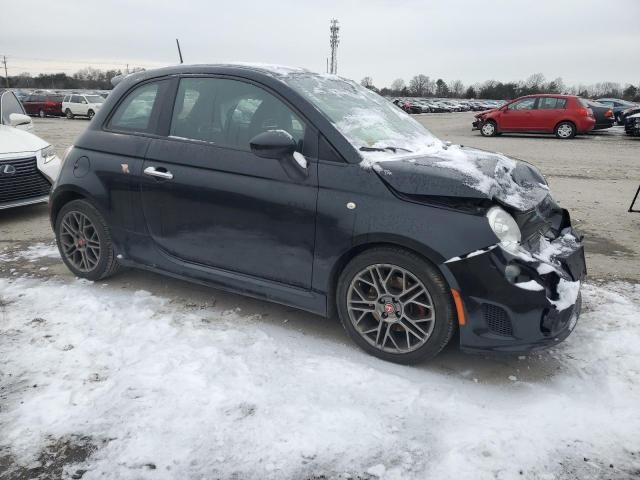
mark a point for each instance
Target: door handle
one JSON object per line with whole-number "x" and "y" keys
{"x": 158, "y": 173}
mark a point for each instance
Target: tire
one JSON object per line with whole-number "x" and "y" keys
{"x": 619, "y": 120}
{"x": 41, "y": 114}
{"x": 489, "y": 129}
{"x": 90, "y": 114}
{"x": 396, "y": 346}
{"x": 68, "y": 114}
{"x": 565, "y": 130}
{"x": 87, "y": 265}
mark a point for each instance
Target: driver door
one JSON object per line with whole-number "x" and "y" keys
{"x": 219, "y": 205}
{"x": 519, "y": 116}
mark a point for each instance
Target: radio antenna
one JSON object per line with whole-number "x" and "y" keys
{"x": 179, "y": 51}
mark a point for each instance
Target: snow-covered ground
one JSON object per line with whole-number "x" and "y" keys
{"x": 152, "y": 390}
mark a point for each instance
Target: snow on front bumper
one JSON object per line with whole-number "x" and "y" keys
{"x": 520, "y": 300}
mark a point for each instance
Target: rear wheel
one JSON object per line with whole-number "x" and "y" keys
{"x": 84, "y": 241}
{"x": 395, "y": 305}
{"x": 565, "y": 130}
{"x": 489, "y": 129}
{"x": 41, "y": 114}
{"x": 619, "y": 120}
{"x": 68, "y": 114}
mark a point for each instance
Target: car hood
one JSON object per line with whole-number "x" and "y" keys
{"x": 635, "y": 115}
{"x": 464, "y": 172}
{"x": 484, "y": 112}
{"x": 14, "y": 140}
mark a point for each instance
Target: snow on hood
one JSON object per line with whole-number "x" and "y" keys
{"x": 14, "y": 140}
{"x": 466, "y": 172}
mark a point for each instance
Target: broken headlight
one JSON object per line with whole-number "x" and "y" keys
{"x": 505, "y": 228}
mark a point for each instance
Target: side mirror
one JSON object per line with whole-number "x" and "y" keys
{"x": 280, "y": 145}
{"x": 275, "y": 144}
{"x": 16, "y": 119}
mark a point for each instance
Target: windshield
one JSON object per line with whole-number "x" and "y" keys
{"x": 372, "y": 124}
{"x": 94, "y": 99}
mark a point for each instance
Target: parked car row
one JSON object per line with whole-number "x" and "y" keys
{"x": 435, "y": 105}
{"x": 45, "y": 103}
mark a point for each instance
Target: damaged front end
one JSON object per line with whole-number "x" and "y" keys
{"x": 523, "y": 296}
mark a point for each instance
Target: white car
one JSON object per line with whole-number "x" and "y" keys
{"x": 81, "y": 104}
{"x": 12, "y": 113}
{"x": 28, "y": 167}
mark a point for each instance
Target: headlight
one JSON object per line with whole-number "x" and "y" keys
{"x": 48, "y": 153}
{"x": 505, "y": 227}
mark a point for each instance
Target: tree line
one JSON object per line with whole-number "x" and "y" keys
{"x": 86, "y": 78}
{"x": 424, "y": 86}
{"x": 419, "y": 86}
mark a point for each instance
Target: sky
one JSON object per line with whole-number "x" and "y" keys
{"x": 582, "y": 41}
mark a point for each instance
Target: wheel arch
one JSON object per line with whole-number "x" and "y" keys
{"x": 61, "y": 198}
{"x": 366, "y": 243}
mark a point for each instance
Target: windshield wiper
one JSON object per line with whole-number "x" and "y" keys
{"x": 383, "y": 149}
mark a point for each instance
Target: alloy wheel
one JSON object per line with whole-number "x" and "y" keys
{"x": 80, "y": 241}
{"x": 390, "y": 308}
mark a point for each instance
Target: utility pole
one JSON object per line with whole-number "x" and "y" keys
{"x": 334, "y": 40}
{"x": 6, "y": 75}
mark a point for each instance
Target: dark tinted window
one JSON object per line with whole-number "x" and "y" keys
{"x": 9, "y": 104}
{"x": 547, "y": 103}
{"x": 526, "y": 104}
{"x": 76, "y": 99}
{"x": 230, "y": 112}
{"x": 134, "y": 113}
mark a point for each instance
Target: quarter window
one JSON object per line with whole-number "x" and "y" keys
{"x": 547, "y": 103}
{"x": 134, "y": 113}
{"x": 230, "y": 113}
{"x": 526, "y": 104}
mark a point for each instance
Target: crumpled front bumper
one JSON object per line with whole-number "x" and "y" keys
{"x": 519, "y": 301}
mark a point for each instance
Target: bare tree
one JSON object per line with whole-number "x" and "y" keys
{"x": 419, "y": 85}
{"x": 456, "y": 88}
{"x": 367, "y": 82}
{"x": 398, "y": 85}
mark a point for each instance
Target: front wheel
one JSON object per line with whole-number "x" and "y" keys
{"x": 395, "y": 305}
{"x": 84, "y": 241}
{"x": 565, "y": 130}
{"x": 68, "y": 114}
{"x": 489, "y": 129}
{"x": 90, "y": 114}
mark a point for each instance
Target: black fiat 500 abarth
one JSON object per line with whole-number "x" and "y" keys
{"x": 312, "y": 191}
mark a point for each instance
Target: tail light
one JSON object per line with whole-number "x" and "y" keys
{"x": 587, "y": 112}
{"x": 609, "y": 114}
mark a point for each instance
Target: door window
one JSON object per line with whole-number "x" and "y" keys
{"x": 549, "y": 103}
{"x": 230, "y": 113}
{"x": 135, "y": 112}
{"x": 526, "y": 104}
{"x": 9, "y": 104}
{"x": 76, "y": 99}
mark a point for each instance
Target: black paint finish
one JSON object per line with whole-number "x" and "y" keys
{"x": 243, "y": 223}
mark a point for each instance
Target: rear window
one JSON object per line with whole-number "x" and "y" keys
{"x": 547, "y": 103}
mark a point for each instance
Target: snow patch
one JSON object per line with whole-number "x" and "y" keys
{"x": 530, "y": 285}
{"x": 216, "y": 394}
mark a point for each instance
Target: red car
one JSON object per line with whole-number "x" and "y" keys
{"x": 563, "y": 115}
{"x": 43, "y": 105}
